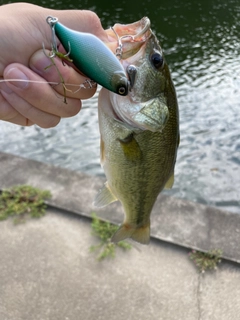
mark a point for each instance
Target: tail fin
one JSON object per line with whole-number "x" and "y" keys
{"x": 141, "y": 234}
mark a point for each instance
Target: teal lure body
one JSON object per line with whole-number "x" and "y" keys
{"x": 92, "y": 57}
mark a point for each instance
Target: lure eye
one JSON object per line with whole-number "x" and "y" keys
{"x": 157, "y": 60}
{"x": 123, "y": 91}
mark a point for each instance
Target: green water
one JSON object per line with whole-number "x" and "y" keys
{"x": 201, "y": 43}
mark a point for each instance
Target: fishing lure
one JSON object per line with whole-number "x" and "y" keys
{"x": 91, "y": 56}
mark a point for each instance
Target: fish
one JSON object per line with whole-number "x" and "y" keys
{"x": 92, "y": 57}
{"x": 139, "y": 133}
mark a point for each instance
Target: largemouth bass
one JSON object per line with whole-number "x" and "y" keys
{"x": 139, "y": 132}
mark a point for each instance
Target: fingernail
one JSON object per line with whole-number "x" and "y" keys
{"x": 17, "y": 78}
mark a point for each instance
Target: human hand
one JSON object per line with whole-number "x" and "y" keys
{"x": 23, "y": 30}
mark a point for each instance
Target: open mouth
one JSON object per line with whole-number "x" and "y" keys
{"x": 125, "y": 40}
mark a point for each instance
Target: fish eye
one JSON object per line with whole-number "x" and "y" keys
{"x": 157, "y": 60}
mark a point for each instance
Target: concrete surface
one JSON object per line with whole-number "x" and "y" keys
{"x": 177, "y": 221}
{"x": 48, "y": 273}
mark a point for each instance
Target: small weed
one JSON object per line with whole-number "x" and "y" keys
{"x": 206, "y": 260}
{"x": 23, "y": 201}
{"x": 104, "y": 231}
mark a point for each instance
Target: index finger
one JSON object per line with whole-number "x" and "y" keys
{"x": 68, "y": 82}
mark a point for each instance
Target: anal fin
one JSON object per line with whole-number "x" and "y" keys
{"x": 104, "y": 197}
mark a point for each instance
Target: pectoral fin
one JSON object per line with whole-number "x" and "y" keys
{"x": 131, "y": 148}
{"x": 104, "y": 197}
{"x": 170, "y": 182}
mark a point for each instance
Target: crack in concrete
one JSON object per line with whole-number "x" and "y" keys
{"x": 199, "y": 296}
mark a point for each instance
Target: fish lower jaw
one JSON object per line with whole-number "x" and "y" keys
{"x": 151, "y": 115}
{"x": 129, "y": 119}
{"x": 140, "y": 122}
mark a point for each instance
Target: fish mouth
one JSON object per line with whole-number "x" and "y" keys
{"x": 125, "y": 40}
{"x": 136, "y": 30}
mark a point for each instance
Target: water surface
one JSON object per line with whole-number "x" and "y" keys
{"x": 201, "y": 43}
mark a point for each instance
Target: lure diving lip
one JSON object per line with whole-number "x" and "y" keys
{"x": 92, "y": 57}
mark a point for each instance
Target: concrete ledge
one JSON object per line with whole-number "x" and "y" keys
{"x": 177, "y": 221}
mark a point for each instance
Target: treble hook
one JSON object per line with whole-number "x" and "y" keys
{"x": 52, "y": 21}
{"x": 119, "y": 49}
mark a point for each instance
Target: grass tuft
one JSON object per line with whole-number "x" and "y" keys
{"x": 206, "y": 260}
{"x": 23, "y": 202}
{"x": 104, "y": 231}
